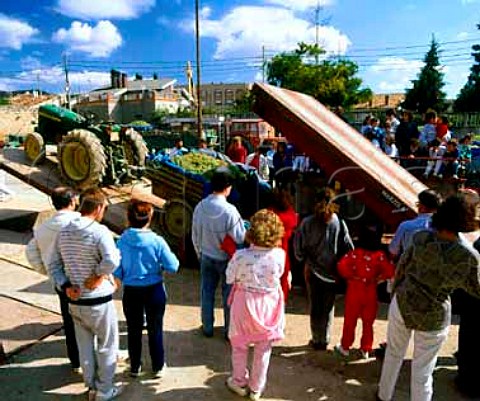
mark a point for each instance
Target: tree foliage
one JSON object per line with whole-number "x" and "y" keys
{"x": 332, "y": 82}
{"x": 426, "y": 92}
{"x": 469, "y": 97}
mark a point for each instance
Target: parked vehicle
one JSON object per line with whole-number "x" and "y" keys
{"x": 88, "y": 154}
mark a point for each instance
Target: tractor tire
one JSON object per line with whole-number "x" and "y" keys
{"x": 82, "y": 159}
{"x": 34, "y": 147}
{"x": 177, "y": 219}
{"x": 135, "y": 149}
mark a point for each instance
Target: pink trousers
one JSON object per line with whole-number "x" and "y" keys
{"x": 256, "y": 379}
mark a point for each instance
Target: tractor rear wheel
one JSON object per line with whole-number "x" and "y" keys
{"x": 135, "y": 149}
{"x": 177, "y": 219}
{"x": 34, "y": 148}
{"x": 82, "y": 158}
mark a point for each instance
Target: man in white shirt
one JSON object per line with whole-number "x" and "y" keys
{"x": 39, "y": 253}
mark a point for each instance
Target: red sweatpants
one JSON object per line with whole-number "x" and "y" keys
{"x": 360, "y": 302}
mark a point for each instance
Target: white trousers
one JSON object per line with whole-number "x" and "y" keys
{"x": 426, "y": 347}
{"x": 96, "y": 329}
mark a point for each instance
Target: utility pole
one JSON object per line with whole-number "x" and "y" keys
{"x": 67, "y": 81}
{"x": 199, "y": 89}
{"x": 263, "y": 63}
{"x": 317, "y": 27}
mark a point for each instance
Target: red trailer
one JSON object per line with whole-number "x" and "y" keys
{"x": 345, "y": 156}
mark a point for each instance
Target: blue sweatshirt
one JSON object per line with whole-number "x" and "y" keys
{"x": 145, "y": 255}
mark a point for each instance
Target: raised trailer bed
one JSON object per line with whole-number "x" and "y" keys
{"x": 386, "y": 189}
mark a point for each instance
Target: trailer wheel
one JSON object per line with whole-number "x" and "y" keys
{"x": 135, "y": 149}
{"x": 177, "y": 219}
{"x": 82, "y": 158}
{"x": 34, "y": 148}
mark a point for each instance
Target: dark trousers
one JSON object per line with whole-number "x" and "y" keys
{"x": 69, "y": 329}
{"x": 468, "y": 350}
{"x": 150, "y": 300}
{"x": 321, "y": 297}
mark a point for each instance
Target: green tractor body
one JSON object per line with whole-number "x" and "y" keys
{"x": 89, "y": 155}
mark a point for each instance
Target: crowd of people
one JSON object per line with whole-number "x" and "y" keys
{"x": 433, "y": 150}
{"x": 428, "y": 258}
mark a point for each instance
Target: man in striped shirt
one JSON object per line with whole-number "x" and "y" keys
{"x": 85, "y": 248}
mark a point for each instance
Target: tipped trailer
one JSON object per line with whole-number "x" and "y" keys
{"x": 387, "y": 189}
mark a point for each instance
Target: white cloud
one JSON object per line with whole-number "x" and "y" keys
{"x": 104, "y": 9}
{"x": 52, "y": 78}
{"x": 244, "y": 30}
{"x": 96, "y": 41}
{"x": 391, "y": 74}
{"x": 15, "y": 33}
{"x": 463, "y": 35}
{"x": 300, "y": 5}
{"x": 394, "y": 74}
{"x": 205, "y": 12}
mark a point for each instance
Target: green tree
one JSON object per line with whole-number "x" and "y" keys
{"x": 469, "y": 97}
{"x": 332, "y": 82}
{"x": 426, "y": 92}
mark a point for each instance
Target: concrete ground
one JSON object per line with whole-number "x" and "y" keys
{"x": 37, "y": 368}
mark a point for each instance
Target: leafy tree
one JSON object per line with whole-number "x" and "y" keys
{"x": 469, "y": 97}
{"x": 332, "y": 82}
{"x": 426, "y": 92}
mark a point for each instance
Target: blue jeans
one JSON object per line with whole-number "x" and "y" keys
{"x": 212, "y": 271}
{"x": 150, "y": 300}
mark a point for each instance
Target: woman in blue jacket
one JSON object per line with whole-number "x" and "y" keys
{"x": 145, "y": 256}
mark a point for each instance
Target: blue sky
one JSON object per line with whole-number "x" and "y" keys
{"x": 387, "y": 39}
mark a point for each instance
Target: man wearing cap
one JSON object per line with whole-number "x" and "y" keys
{"x": 214, "y": 218}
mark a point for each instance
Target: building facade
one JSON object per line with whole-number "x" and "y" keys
{"x": 128, "y": 100}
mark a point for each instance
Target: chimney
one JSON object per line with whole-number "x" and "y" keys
{"x": 123, "y": 77}
{"x": 115, "y": 79}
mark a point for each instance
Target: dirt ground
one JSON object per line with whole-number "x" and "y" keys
{"x": 197, "y": 366}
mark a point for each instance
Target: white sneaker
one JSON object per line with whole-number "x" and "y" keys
{"x": 365, "y": 354}
{"x": 241, "y": 391}
{"x": 255, "y": 395}
{"x": 338, "y": 348}
{"x": 455, "y": 177}
{"x": 110, "y": 395}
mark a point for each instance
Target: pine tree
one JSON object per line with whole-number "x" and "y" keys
{"x": 469, "y": 97}
{"x": 426, "y": 92}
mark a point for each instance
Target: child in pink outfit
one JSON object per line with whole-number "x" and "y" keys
{"x": 256, "y": 303}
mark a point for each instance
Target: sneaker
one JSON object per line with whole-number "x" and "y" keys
{"x": 77, "y": 370}
{"x": 234, "y": 388}
{"x": 110, "y": 395}
{"x": 317, "y": 346}
{"x": 365, "y": 354}
{"x": 160, "y": 373}
{"x": 455, "y": 177}
{"x": 135, "y": 372}
{"x": 255, "y": 395}
{"x": 343, "y": 352}
{"x": 440, "y": 176}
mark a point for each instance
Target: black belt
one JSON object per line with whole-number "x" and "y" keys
{"x": 91, "y": 301}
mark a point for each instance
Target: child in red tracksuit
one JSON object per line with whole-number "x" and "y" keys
{"x": 363, "y": 268}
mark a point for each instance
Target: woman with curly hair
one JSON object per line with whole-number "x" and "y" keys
{"x": 256, "y": 303}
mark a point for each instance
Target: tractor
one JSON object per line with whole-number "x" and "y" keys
{"x": 88, "y": 155}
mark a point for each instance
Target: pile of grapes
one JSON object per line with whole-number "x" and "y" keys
{"x": 198, "y": 163}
